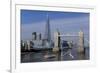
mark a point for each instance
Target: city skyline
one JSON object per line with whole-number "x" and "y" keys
{"x": 54, "y": 36}
{"x": 65, "y": 22}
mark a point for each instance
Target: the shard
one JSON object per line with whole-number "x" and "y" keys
{"x": 47, "y": 30}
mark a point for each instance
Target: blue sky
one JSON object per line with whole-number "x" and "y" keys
{"x": 66, "y": 22}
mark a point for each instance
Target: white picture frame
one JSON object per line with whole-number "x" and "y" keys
{"x": 16, "y": 66}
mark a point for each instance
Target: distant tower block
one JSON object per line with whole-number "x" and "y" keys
{"x": 40, "y": 36}
{"x": 56, "y": 41}
{"x": 25, "y": 45}
{"x": 28, "y": 45}
{"x": 81, "y": 42}
{"x": 34, "y": 36}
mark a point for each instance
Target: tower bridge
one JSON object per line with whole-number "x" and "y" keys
{"x": 57, "y": 40}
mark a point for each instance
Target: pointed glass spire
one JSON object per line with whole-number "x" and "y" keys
{"x": 47, "y": 30}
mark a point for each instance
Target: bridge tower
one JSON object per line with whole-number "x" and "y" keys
{"x": 81, "y": 42}
{"x": 56, "y": 41}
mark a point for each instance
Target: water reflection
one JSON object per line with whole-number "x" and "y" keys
{"x": 45, "y": 56}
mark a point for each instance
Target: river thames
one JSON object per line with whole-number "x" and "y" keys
{"x": 48, "y": 55}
